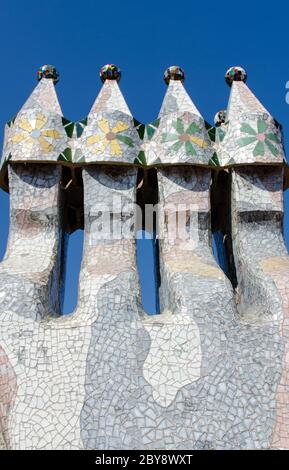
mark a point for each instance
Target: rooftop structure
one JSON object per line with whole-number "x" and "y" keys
{"x": 211, "y": 370}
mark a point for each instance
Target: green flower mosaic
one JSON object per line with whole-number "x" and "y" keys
{"x": 184, "y": 137}
{"x": 261, "y": 137}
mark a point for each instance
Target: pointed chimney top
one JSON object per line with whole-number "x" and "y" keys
{"x": 43, "y": 96}
{"x": 110, "y": 98}
{"x": 176, "y": 99}
{"x": 242, "y": 101}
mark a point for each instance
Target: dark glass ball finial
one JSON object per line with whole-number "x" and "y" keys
{"x": 220, "y": 117}
{"x": 174, "y": 73}
{"x": 110, "y": 72}
{"x": 235, "y": 74}
{"x": 48, "y": 71}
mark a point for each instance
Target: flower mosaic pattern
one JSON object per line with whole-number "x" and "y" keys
{"x": 33, "y": 131}
{"x": 109, "y": 138}
{"x": 181, "y": 138}
{"x": 37, "y": 136}
{"x": 34, "y": 135}
{"x": 263, "y": 137}
{"x": 184, "y": 137}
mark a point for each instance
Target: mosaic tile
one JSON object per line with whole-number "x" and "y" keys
{"x": 252, "y": 135}
{"x": 181, "y": 136}
{"x": 211, "y": 370}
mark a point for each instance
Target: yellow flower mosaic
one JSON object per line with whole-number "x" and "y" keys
{"x": 109, "y": 138}
{"x": 33, "y": 132}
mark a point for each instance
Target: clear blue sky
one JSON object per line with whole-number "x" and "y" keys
{"x": 143, "y": 38}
